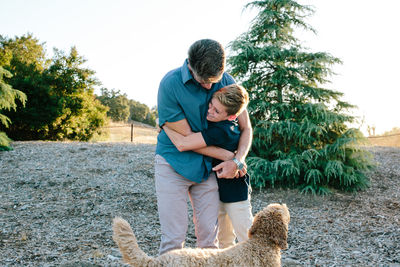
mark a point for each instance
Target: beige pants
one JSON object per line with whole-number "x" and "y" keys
{"x": 172, "y": 192}
{"x": 234, "y": 221}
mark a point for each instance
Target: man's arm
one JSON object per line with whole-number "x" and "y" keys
{"x": 184, "y": 143}
{"x": 182, "y": 127}
{"x": 228, "y": 169}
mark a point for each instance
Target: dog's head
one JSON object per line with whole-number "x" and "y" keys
{"x": 271, "y": 224}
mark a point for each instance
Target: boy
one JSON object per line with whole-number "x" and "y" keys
{"x": 235, "y": 216}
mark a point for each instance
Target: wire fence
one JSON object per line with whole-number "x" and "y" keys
{"x": 130, "y": 132}
{"x": 122, "y": 126}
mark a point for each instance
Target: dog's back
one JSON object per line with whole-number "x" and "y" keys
{"x": 267, "y": 236}
{"x": 248, "y": 253}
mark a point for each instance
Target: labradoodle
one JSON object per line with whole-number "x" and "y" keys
{"x": 267, "y": 236}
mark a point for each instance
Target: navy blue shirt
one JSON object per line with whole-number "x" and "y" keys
{"x": 226, "y": 134}
{"x": 181, "y": 96}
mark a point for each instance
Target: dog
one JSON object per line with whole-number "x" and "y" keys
{"x": 267, "y": 236}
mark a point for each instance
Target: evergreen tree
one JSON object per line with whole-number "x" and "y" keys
{"x": 301, "y": 138}
{"x": 8, "y": 96}
{"x": 25, "y": 58}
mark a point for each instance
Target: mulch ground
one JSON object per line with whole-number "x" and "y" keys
{"x": 57, "y": 201}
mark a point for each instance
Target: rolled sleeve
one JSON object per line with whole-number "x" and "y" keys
{"x": 168, "y": 105}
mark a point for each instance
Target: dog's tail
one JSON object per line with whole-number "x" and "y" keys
{"x": 127, "y": 243}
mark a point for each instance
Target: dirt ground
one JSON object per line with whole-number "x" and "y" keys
{"x": 57, "y": 201}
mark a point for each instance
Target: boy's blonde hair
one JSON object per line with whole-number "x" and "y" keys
{"x": 233, "y": 97}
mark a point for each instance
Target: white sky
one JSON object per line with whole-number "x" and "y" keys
{"x": 132, "y": 44}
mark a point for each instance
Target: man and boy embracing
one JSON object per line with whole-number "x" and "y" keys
{"x": 205, "y": 137}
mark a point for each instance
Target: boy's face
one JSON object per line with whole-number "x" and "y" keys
{"x": 217, "y": 112}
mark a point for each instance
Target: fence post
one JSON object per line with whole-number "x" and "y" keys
{"x": 131, "y": 132}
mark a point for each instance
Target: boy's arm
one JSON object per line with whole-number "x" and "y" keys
{"x": 246, "y": 136}
{"x": 215, "y": 152}
{"x": 229, "y": 169}
{"x": 182, "y": 127}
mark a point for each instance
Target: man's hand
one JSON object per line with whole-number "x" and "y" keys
{"x": 229, "y": 169}
{"x": 243, "y": 171}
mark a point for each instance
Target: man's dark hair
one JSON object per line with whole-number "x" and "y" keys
{"x": 207, "y": 58}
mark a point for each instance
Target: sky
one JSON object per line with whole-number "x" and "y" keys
{"x": 131, "y": 44}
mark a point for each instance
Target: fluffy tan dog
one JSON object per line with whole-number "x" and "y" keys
{"x": 267, "y": 236}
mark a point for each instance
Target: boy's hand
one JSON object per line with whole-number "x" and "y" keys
{"x": 229, "y": 169}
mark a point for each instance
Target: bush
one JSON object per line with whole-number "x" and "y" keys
{"x": 61, "y": 104}
{"x": 301, "y": 138}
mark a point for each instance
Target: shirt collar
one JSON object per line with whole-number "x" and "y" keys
{"x": 186, "y": 75}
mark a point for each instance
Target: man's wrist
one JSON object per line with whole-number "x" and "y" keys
{"x": 239, "y": 164}
{"x": 240, "y": 156}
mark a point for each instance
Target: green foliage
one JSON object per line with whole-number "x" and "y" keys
{"x": 26, "y": 61}
{"x": 142, "y": 113}
{"x": 4, "y": 142}
{"x": 301, "y": 138}
{"x": 122, "y": 109}
{"x": 8, "y": 96}
{"x": 117, "y": 103}
{"x": 82, "y": 113}
{"x": 61, "y": 103}
{"x": 151, "y": 116}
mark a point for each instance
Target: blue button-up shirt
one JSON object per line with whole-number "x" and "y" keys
{"x": 181, "y": 96}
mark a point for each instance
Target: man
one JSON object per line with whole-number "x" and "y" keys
{"x": 183, "y": 98}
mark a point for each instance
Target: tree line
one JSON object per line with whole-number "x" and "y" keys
{"x": 301, "y": 139}
{"x": 45, "y": 98}
{"x": 123, "y": 109}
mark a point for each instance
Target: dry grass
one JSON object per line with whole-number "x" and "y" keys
{"x": 145, "y": 134}
{"x": 389, "y": 140}
{"x": 121, "y": 132}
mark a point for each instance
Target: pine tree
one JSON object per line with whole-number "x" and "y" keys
{"x": 301, "y": 133}
{"x": 25, "y": 58}
{"x": 8, "y": 96}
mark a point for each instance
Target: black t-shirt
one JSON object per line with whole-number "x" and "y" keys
{"x": 226, "y": 134}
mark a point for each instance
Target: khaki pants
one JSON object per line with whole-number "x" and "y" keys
{"x": 234, "y": 221}
{"x": 172, "y": 192}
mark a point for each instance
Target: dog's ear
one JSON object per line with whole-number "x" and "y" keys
{"x": 269, "y": 225}
{"x": 254, "y": 229}
{"x": 278, "y": 230}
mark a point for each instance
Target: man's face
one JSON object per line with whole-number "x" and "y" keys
{"x": 205, "y": 83}
{"x": 216, "y": 111}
